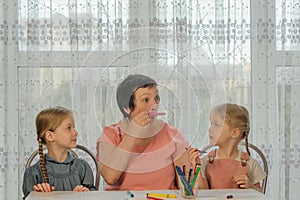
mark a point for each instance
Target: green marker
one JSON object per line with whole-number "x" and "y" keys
{"x": 196, "y": 175}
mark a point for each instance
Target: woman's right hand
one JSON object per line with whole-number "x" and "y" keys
{"x": 43, "y": 187}
{"x": 141, "y": 119}
{"x": 193, "y": 154}
{"x": 140, "y": 126}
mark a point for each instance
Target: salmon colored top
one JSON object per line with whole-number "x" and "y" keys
{"x": 220, "y": 172}
{"x": 150, "y": 167}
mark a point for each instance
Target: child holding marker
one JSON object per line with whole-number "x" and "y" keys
{"x": 228, "y": 167}
{"x": 58, "y": 169}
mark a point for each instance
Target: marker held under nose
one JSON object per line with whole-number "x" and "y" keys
{"x": 153, "y": 114}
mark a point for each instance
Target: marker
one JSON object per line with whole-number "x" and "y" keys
{"x": 201, "y": 152}
{"x": 154, "y": 198}
{"x": 190, "y": 175}
{"x": 130, "y": 194}
{"x": 184, "y": 181}
{"x": 161, "y": 195}
{"x": 153, "y": 114}
{"x": 196, "y": 167}
{"x": 195, "y": 176}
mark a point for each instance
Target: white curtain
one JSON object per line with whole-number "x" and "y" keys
{"x": 73, "y": 53}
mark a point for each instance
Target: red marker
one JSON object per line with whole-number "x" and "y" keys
{"x": 154, "y": 198}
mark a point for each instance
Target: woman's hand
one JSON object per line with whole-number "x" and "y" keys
{"x": 140, "y": 126}
{"x": 43, "y": 187}
{"x": 193, "y": 154}
{"x": 80, "y": 188}
{"x": 141, "y": 119}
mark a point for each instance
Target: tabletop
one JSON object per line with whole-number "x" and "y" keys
{"x": 234, "y": 194}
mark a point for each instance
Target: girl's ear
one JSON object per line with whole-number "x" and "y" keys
{"x": 236, "y": 133}
{"x": 50, "y": 136}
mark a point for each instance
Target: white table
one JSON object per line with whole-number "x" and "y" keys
{"x": 141, "y": 195}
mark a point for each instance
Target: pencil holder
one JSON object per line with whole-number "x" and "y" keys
{"x": 189, "y": 186}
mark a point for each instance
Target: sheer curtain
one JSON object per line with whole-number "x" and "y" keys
{"x": 73, "y": 54}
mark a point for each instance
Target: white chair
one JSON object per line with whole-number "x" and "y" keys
{"x": 263, "y": 161}
{"x": 76, "y": 153}
{"x": 255, "y": 152}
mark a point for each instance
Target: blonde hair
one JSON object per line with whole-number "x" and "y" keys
{"x": 235, "y": 116}
{"x": 48, "y": 120}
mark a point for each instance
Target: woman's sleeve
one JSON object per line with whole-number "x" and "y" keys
{"x": 181, "y": 144}
{"x": 108, "y": 136}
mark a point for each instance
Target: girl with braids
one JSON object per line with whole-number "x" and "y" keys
{"x": 58, "y": 169}
{"x": 227, "y": 166}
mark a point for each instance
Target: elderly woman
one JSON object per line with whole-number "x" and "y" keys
{"x": 140, "y": 152}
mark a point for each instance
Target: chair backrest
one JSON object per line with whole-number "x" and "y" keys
{"x": 258, "y": 155}
{"x": 76, "y": 153}
{"x": 263, "y": 161}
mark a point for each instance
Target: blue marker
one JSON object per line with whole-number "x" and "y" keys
{"x": 130, "y": 194}
{"x": 184, "y": 181}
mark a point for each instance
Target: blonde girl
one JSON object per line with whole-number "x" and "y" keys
{"x": 58, "y": 169}
{"x": 227, "y": 166}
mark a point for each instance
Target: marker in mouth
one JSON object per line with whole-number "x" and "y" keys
{"x": 153, "y": 114}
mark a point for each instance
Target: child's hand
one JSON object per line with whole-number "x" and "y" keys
{"x": 242, "y": 181}
{"x": 43, "y": 187}
{"x": 80, "y": 188}
{"x": 194, "y": 154}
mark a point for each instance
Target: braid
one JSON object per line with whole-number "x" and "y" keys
{"x": 42, "y": 162}
{"x": 246, "y": 143}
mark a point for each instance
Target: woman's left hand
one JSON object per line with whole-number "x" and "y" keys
{"x": 80, "y": 188}
{"x": 193, "y": 154}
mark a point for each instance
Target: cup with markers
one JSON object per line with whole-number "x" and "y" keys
{"x": 189, "y": 181}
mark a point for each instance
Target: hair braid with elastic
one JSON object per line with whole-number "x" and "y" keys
{"x": 42, "y": 161}
{"x": 246, "y": 143}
